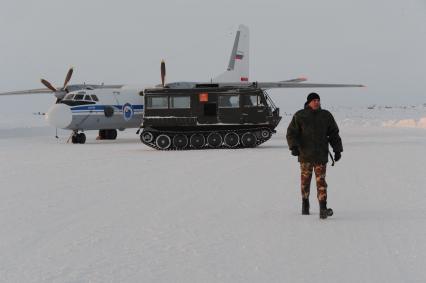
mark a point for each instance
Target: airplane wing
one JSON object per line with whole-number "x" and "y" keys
{"x": 268, "y": 85}
{"x": 287, "y": 84}
{"x": 298, "y": 80}
{"x": 112, "y": 86}
{"x": 69, "y": 88}
{"x": 29, "y": 91}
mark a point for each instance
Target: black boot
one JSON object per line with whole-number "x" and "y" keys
{"x": 324, "y": 211}
{"x": 305, "y": 206}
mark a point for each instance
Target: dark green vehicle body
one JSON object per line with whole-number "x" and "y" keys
{"x": 194, "y": 114}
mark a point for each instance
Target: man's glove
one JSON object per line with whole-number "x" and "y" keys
{"x": 337, "y": 156}
{"x": 295, "y": 151}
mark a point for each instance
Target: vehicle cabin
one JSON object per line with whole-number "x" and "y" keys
{"x": 205, "y": 106}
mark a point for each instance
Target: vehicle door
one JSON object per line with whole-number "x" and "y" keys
{"x": 253, "y": 108}
{"x": 229, "y": 111}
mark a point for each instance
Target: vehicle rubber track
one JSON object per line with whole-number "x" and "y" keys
{"x": 240, "y": 132}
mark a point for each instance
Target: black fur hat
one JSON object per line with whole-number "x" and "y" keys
{"x": 311, "y": 97}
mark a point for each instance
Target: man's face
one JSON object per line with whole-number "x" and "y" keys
{"x": 315, "y": 104}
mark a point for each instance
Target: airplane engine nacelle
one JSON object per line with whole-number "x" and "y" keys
{"x": 59, "y": 116}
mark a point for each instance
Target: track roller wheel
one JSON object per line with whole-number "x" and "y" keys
{"x": 231, "y": 139}
{"x": 147, "y": 137}
{"x": 180, "y": 141}
{"x": 265, "y": 134}
{"x": 214, "y": 139}
{"x": 163, "y": 141}
{"x": 197, "y": 140}
{"x": 248, "y": 139}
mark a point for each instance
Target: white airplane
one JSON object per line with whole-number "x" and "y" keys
{"x": 103, "y": 109}
{"x": 107, "y": 108}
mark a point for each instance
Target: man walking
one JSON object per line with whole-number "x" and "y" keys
{"x": 308, "y": 135}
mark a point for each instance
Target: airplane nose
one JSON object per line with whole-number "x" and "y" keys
{"x": 59, "y": 116}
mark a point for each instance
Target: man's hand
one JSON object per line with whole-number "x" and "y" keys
{"x": 295, "y": 151}
{"x": 337, "y": 156}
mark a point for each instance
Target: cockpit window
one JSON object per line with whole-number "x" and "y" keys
{"x": 69, "y": 96}
{"x": 87, "y": 98}
{"x": 94, "y": 97}
{"x": 78, "y": 97}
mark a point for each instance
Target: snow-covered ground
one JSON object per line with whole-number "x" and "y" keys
{"x": 118, "y": 211}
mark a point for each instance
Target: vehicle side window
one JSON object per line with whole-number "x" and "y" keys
{"x": 249, "y": 100}
{"x": 157, "y": 102}
{"x": 87, "y": 98}
{"x": 94, "y": 97}
{"x": 180, "y": 102}
{"x": 78, "y": 97}
{"x": 229, "y": 101}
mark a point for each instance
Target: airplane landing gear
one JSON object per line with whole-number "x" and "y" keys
{"x": 107, "y": 135}
{"x": 78, "y": 138}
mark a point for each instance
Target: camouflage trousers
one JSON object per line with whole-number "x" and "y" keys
{"x": 306, "y": 176}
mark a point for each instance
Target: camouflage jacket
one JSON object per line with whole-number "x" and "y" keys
{"x": 311, "y": 131}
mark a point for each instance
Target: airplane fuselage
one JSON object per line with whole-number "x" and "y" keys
{"x": 117, "y": 108}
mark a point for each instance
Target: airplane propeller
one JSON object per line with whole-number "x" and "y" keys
{"x": 48, "y": 85}
{"x": 68, "y": 77}
{"x": 163, "y": 72}
{"x": 59, "y": 92}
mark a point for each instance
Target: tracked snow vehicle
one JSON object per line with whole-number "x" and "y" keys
{"x": 208, "y": 116}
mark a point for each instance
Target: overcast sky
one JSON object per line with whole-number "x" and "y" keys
{"x": 380, "y": 43}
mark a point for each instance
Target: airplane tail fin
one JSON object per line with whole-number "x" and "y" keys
{"x": 238, "y": 67}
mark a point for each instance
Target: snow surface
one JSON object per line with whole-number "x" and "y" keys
{"x": 118, "y": 211}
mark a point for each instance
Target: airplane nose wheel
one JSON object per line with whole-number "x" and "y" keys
{"x": 78, "y": 138}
